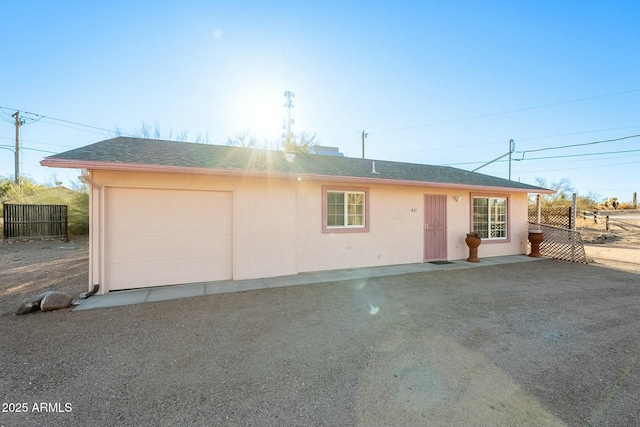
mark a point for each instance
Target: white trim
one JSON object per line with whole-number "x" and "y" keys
{"x": 489, "y": 214}
{"x": 346, "y": 210}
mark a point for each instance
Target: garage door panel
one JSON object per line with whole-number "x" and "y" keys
{"x": 160, "y": 274}
{"x": 203, "y": 224}
{"x": 130, "y": 200}
{"x": 163, "y": 237}
{"x": 168, "y": 249}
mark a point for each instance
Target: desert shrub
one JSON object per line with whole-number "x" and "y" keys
{"x": 626, "y": 206}
{"x": 78, "y": 212}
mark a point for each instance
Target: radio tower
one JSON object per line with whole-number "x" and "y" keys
{"x": 288, "y": 105}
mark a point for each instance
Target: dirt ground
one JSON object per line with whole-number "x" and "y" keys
{"x": 543, "y": 343}
{"x": 620, "y": 247}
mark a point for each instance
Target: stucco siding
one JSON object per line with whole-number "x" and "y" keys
{"x": 395, "y": 236}
{"x": 277, "y": 223}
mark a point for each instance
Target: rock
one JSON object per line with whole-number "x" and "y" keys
{"x": 55, "y": 301}
{"x": 28, "y": 306}
{"x": 600, "y": 239}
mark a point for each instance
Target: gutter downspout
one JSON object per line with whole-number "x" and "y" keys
{"x": 86, "y": 178}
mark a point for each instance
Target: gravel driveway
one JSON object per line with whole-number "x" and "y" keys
{"x": 544, "y": 343}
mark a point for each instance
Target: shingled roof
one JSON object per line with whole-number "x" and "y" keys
{"x": 124, "y": 153}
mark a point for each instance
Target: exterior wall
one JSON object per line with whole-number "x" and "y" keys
{"x": 396, "y": 234}
{"x": 264, "y": 238}
{"x": 277, "y": 223}
{"x": 517, "y": 222}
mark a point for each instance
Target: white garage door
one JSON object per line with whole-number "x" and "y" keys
{"x": 164, "y": 237}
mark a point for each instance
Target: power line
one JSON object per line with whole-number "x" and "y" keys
{"x": 28, "y": 148}
{"x": 576, "y": 133}
{"x": 518, "y": 139}
{"x": 58, "y": 120}
{"x": 37, "y": 142}
{"x": 575, "y": 145}
{"x": 544, "y": 158}
{"x": 507, "y": 112}
{"x": 579, "y": 155}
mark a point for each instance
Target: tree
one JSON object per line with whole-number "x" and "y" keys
{"x": 291, "y": 143}
{"x": 6, "y": 184}
{"x": 563, "y": 195}
{"x": 249, "y": 140}
{"x": 563, "y": 191}
{"x": 301, "y": 143}
{"x": 148, "y": 131}
{"x": 18, "y": 193}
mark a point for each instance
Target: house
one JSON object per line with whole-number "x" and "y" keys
{"x": 166, "y": 213}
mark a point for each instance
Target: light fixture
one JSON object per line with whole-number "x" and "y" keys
{"x": 458, "y": 197}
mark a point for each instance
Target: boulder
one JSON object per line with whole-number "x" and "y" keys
{"x": 600, "y": 239}
{"x": 28, "y": 306}
{"x": 55, "y": 301}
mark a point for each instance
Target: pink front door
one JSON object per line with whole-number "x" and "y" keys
{"x": 435, "y": 227}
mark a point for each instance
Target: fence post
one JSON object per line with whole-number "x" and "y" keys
{"x": 574, "y": 212}
{"x": 595, "y": 217}
{"x": 66, "y": 224}
{"x": 4, "y": 222}
{"x": 607, "y": 223}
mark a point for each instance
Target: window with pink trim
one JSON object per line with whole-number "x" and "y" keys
{"x": 345, "y": 209}
{"x": 490, "y": 217}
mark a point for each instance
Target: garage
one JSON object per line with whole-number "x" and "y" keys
{"x": 156, "y": 237}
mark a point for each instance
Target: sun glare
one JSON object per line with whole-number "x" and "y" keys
{"x": 261, "y": 113}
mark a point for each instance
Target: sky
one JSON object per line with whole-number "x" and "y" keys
{"x": 433, "y": 82}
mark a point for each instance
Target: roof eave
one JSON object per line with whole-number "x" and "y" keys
{"x": 141, "y": 167}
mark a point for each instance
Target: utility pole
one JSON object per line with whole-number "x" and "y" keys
{"x": 17, "y": 168}
{"x": 364, "y": 135}
{"x": 512, "y": 147}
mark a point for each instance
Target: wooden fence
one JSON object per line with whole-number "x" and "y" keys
{"x": 35, "y": 222}
{"x": 561, "y": 239}
{"x": 561, "y": 243}
{"x": 558, "y": 216}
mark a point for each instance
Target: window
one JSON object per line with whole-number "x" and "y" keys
{"x": 490, "y": 217}
{"x": 345, "y": 210}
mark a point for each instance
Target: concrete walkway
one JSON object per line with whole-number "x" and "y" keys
{"x": 162, "y": 293}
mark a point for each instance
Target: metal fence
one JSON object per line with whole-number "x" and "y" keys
{"x": 34, "y": 221}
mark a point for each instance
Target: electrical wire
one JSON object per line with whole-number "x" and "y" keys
{"x": 579, "y": 155}
{"x": 576, "y": 133}
{"x": 505, "y": 112}
{"x": 575, "y": 145}
{"x": 543, "y": 158}
{"x": 22, "y": 147}
{"x": 58, "y": 120}
{"x": 36, "y": 142}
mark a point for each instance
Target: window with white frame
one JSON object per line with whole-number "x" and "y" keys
{"x": 345, "y": 209}
{"x": 490, "y": 217}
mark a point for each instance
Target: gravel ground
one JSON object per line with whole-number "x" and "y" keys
{"x": 545, "y": 343}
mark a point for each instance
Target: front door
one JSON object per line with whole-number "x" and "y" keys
{"x": 435, "y": 227}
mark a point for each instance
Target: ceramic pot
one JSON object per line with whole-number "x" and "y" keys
{"x": 473, "y": 242}
{"x": 535, "y": 238}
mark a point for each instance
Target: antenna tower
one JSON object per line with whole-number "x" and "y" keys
{"x": 288, "y": 105}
